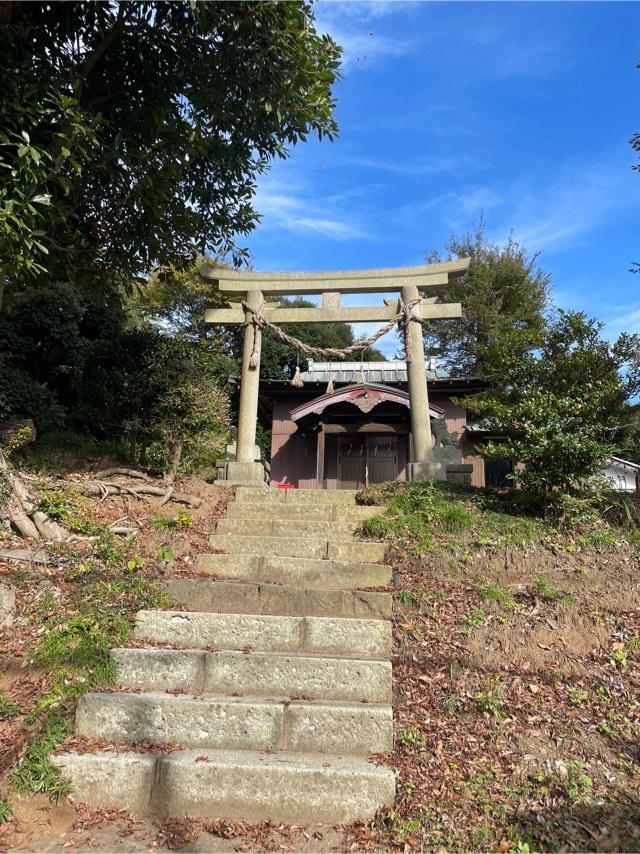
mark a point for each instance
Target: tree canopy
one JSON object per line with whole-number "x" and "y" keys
{"x": 504, "y": 292}
{"x": 132, "y": 133}
{"x": 558, "y": 407}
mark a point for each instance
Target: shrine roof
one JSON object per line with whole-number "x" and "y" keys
{"x": 393, "y": 371}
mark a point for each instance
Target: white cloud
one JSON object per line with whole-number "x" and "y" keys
{"x": 294, "y": 208}
{"x": 424, "y": 166}
{"x": 570, "y": 205}
{"x": 351, "y": 24}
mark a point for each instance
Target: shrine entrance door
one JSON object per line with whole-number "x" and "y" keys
{"x": 369, "y": 458}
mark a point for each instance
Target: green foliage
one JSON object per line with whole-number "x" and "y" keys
{"x": 555, "y": 405}
{"x": 543, "y": 589}
{"x": 490, "y": 592}
{"x": 578, "y": 784}
{"x": 173, "y": 523}
{"x": 23, "y": 397}
{"x": 134, "y": 134}
{"x": 504, "y": 295}
{"x": 8, "y": 709}
{"x": 106, "y": 549}
{"x": 577, "y": 696}
{"x": 619, "y": 659}
{"x": 489, "y": 702}
{"x": 474, "y": 619}
{"x": 82, "y": 644}
{"x": 427, "y": 516}
{"x": 411, "y": 738}
{"x": 600, "y": 539}
{"x": 5, "y": 811}
{"x": 35, "y": 772}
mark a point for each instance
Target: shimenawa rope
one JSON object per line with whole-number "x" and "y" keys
{"x": 259, "y": 321}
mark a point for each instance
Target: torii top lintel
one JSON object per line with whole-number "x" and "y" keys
{"x": 381, "y": 280}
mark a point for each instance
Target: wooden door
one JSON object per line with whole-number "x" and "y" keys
{"x": 352, "y": 461}
{"x": 382, "y": 458}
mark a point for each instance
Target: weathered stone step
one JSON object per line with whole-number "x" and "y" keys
{"x": 237, "y": 597}
{"x": 259, "y": 495}
{"x": 351, "y": 638}
{"x": 259, "y": 527}
{"x": 233, "y": 723}
{"x": 299, "y": 547}
{"x": 324, "y": 512}
{"x": 245, "y": 785}
{"x": 299, "y": 572}
{"x": 254, "y": 674}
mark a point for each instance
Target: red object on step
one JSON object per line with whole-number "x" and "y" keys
{"x": 286, "y": 486}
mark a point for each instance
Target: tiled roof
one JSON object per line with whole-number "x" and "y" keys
{"x": 394, "y": 371}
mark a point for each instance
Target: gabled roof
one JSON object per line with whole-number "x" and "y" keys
{"x": 365, "y": 396}
{"x": 618, "y": 461}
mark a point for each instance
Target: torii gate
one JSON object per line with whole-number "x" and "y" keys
{"x": 410, "y": 281}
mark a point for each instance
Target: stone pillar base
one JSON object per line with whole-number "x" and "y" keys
{"x": 459, "y": 474}
{"x": 242, "y": 474}
{"x": 422, "y": 472}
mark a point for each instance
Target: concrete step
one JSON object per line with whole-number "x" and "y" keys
{"x": 299, "y": 547}
{"x": 351, "y": 638}
{"x": 301, "y": 572}
{"x": 245, "y": 785}
{"x": 259, "y": 495}
{"x": 236, "y": 597}
{"x": 259, "y": 527}
{"x": 306, "y": 511}
{"x": 358, "y": 729}
{"x": 254, "y": 674}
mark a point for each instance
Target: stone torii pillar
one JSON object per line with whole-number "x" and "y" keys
{"x": 245, "y": 468}
{"x": 409, "y": 281}
{"x": 421, "y": 466}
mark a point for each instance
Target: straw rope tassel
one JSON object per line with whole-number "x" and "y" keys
{"x": 297, "y": 381}
{"x": 330, "y": 386}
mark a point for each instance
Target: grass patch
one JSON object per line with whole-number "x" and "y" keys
{"x": 5, "y": 811}
{"x": 494, "y": 594}
{"x": 8, "y": 709}
{"x": 436, "y": 516}
{"x": 542, "y": 588}
{"x": 600, "y": 539}
{"x": 35, "y": 772}
{"x": 173, "y": 523}
{"x": 431, "y": 516}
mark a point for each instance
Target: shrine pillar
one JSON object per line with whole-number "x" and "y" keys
{"x": 421, "y": 467}
{"x": 245, "y": 469}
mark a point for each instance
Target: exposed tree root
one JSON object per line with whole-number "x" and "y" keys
{"x": 21, "y": 509}
{"x": 100, "y": 489}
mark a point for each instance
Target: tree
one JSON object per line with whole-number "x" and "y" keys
{"x": 132, "y": 133}
{"x": 558, "y": 406}
{"x": 503, "y": 293}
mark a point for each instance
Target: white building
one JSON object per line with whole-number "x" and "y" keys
{"x": 622, "y": 474}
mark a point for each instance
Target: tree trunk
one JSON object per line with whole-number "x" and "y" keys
{"x": 21, "y": 509}
{"x": 176, "y": 454}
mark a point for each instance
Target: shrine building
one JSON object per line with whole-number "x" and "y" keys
{"x": 360, "y": 432}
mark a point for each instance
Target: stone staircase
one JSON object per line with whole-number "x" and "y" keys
{"x": 276, "y": 684}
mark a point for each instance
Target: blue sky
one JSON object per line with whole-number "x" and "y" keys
{"x": 522, "y": 111}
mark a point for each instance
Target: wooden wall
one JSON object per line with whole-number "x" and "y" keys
{"x": 293, "y": 456}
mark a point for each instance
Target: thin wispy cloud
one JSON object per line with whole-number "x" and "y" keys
{"x": 352, "y": 25}
{"x": 425, "y": 166}
{"x": 573, "y": 203}
{"x": 295, "y": 208}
